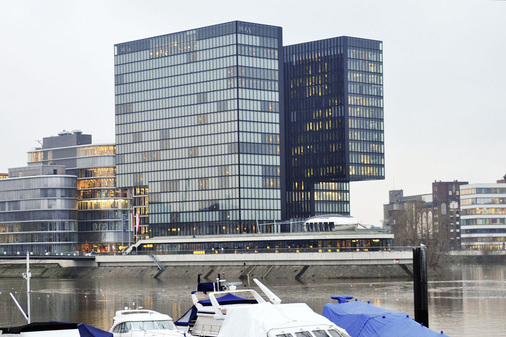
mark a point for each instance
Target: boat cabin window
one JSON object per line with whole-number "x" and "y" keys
{"x": 143, "y": 325}
{"x": 284, "y": 335}
{"x": 320, "y": 333}
{"x": 335, "y": 333}
{"x": 154, "y": 325}
{"x": 303, "y": 334}
{"x": 122, "y": 328}
{"x": 165, "y": 325}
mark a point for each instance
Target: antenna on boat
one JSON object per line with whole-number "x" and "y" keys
{"x": 26, "y": 276}
{"x": 272, "y": 297}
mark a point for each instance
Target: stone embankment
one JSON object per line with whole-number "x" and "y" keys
{"x": 55, "y": 271}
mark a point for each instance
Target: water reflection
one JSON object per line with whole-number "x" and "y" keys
{"x": 465, "y": 302}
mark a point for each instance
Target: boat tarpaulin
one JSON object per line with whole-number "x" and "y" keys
{"x": 89, "y": 331}
{"x": 187, "y": 317}
{"x": 52, "y": 329}
{"x": 223, "y": 300}
{"x": 39, "y": 326}
{"x": 362, "y": 319}
{"x": 229, "y": 299}
{"x": 255, "y": 320}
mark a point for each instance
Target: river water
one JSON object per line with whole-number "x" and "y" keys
{"x": 469, "y": 300}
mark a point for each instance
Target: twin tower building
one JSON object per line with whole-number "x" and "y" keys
{"x": 219, "y": 130}
{"x": 224, "y": 128}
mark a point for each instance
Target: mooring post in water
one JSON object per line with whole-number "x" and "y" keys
{"x": 420, "y": 285}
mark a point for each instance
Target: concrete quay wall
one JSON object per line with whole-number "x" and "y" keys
{"x": 234, "y": 266}
{"x": 268, "y": 259}
{"x": 229, "y": 272}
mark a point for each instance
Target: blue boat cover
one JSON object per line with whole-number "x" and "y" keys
{"x": 84, "y": 330}
{"x": 89, "y": 331}
{"x": 226, "y": 299}
{"x": 229, "y": 299}
{"x": 362, "y": 319}
{"x": 187, "y": 317}
{"x": 39, "y": 326}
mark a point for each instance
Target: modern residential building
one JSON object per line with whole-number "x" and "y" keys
{"x": 483, "y": 216}
{"x": 4, "y": 175}
{"x": 198, "y": 128}
{"x": 38, "y": 211}
{"x": 103, "y": 210}
{"x": 333, "y": 122}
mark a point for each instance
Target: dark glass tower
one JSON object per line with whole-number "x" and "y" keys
{"x": 333, "y": 122}
{"x": 198, "y": 128}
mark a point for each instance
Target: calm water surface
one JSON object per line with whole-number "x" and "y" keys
{"x": 469, "y": 300}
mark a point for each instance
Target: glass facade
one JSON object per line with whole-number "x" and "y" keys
{"x": 38, "y": 214}
{"x": 101, "y": 206}
{"x": 277, "y": 243}
{"x": 483, "y": 216}
{"x": 333, "y": 122}
{"x": 103, "y": 209}
{"x": 198, "y": 128}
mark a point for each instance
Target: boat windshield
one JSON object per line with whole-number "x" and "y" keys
{"x": 320, "y": 333}
{"x": 303, "y": 334}
{"x": 154, "y": 325}
{"x": 335, "y": 333}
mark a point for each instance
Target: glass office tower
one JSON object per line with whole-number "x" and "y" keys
{"x": 198, "y": 128}
{"x": 333, "y": 122}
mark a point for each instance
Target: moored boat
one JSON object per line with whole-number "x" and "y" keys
{"x": 363, "y": 319}
{"x": 211, "y": 301}
{"x": 229, "y": 312}
{"x": 144, "y": 323}
{"x": 281, "y": 320}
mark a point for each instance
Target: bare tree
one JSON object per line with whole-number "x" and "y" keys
{"x": 415, "y": 225}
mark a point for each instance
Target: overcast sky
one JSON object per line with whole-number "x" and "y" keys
{"x": 444, "y": 75}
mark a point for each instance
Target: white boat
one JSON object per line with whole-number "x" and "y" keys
{"x": 211, "y": 302}
{"x": 144, "y": 323}
{"x": 282, "y": 320}
{"x": 53, "y": 329}
{"x": 231, "y": 312}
